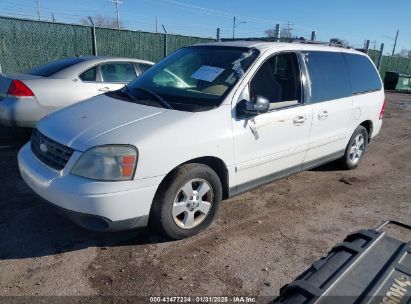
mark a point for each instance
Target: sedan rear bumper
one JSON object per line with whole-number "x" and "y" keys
{"x": 21, "y": 112}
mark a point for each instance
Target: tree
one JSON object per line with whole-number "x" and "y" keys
{"x": 101, "y": 21}
{"x": 285, "y": 32}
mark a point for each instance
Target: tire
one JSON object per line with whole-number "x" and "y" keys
{"x": 355, "y": 149}
{"x": 178, "y": 213}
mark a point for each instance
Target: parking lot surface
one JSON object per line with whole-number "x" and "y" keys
{"x": 260, "y": 241}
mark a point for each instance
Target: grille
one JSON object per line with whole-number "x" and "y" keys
{"x": 50, "y": 152}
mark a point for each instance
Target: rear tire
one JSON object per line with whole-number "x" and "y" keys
{"x": 186, "y": 201}
{"x": 355, "y": 149}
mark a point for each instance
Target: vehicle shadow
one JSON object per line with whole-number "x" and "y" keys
{"x": 29, "y": 228}
{"x": 14, "y": 137}
{"x": 332, "y": 166}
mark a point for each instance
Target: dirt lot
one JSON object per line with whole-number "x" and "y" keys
{"x": 260, "y": 241}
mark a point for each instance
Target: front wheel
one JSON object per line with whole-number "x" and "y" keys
{"x": 186, "y": 202}
{"x": 355, "y": 149}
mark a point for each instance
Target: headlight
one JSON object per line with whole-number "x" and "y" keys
{"x": 107, "y": 163}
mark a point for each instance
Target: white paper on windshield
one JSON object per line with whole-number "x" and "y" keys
{"x": 207, "y": 73}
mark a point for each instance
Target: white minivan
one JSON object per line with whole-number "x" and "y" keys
{"x": 206, "y": 123}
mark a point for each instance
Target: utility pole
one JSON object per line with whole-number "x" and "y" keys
{"x": 38, "y": 9}
{"x": 52, "y": 17}
{"x": 277, "y": 33}
{"x": 156, "y": 24}
{"x": 218, "y": 36}
{"x": 234, "y": 27}
{"x": 395, "y": 42}
{"x": 117, "y": 2}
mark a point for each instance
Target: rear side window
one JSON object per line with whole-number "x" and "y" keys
{"x": 89, "y": 75}
{"x": 118, "y": 72}
{"x": 328, "y": 75}
{"x": 144, "y": 67}
{"x": 364, "y": 77}
{"x": 51, "y": 68}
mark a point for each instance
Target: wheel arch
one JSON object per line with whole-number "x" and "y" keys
{"x": 215, "y": 163}
{"x": 368, "y": 125}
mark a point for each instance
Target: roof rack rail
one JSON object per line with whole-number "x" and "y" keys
{"x": 334, "y": 44}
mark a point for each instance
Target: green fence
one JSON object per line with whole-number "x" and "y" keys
{"x": 28, "y": 43}
{"x": 391, "y": 63}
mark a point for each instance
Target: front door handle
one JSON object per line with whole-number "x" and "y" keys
{"x": 323, "y": 115}
{"x": 105, "y": 89}
{"x": 299, "y": 120}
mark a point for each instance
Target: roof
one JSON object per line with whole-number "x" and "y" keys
{"x": 111, "y": 58}
{"x": 262, "y": 45}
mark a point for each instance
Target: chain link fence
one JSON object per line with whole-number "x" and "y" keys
{"x": 28, "y": 43}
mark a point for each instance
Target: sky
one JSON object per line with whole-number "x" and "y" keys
{"x": 351, "y": 20}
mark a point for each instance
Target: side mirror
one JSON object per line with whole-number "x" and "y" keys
{"x": 258, "y": 105}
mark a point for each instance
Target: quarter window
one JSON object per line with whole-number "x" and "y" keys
{"x": 364, "y": 76}
{"x": 328, "y": 76}
{"x": 118, "y": 72}
{"x": 89, "y": 75}
{"x": 278, "y": 79}
{"x": 144, "y": 67}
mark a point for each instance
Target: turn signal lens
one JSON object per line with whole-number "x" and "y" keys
{"x": 107, "y": 163}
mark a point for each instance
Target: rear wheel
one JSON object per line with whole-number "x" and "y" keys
{"x": 186, "y": 202}
{"x": 355, "y": 149}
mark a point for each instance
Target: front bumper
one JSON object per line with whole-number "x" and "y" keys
{"x": 101, "y": 206}
{"x": 21, "y": 112}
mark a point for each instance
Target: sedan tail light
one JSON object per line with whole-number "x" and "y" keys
{"x": 19, "y": 89}
{"x": 383, "y": 109}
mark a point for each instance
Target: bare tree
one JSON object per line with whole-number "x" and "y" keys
{"x": 285, "y": 32}
{"x": 101, "y": 21}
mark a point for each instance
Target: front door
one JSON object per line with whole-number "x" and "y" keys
{"x": 273, "y": 144}
{"x": 114, "y": 75}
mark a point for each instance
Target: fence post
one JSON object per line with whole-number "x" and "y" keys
{"x": 406, "y": 71}
{"x": 380, "y": 58}
{"x": 93, "y": 37}
{"x": 398, "y": 64}
{"x": 367, "y": 46}
{"x": 165, "y": 41}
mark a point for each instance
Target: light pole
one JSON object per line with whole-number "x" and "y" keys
{"x": 235, "y": 25}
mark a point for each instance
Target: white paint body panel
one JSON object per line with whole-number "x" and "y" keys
{"x": 167, "y": 138}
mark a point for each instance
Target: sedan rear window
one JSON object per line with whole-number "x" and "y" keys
{"x": 53, "y": 67}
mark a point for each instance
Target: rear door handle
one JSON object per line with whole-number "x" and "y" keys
{"x": 105, "y": 89}
{"x": 299, "y": 120}
{"x": 323, "y": 115}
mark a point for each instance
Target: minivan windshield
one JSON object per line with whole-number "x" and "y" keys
{"x": 191, "y": 79}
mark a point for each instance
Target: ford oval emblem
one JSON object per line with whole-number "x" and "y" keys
{"x": 43, "y": 148}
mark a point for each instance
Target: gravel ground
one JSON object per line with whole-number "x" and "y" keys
{"x": 261, "y": 240}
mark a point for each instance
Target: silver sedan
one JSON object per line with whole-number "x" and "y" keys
{"x": 26, "y": 98}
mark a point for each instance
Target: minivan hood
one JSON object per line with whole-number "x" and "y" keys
{"x": 78, "y": 124}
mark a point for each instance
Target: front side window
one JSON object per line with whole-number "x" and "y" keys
{"x": 193, "y": 78}
{"x": 364, "y": 76}
{"x": 144, "y": 67}
{"x": 117, "y": 72}
{"x": 328, "y": 75}
{"x": 278, "y": 80}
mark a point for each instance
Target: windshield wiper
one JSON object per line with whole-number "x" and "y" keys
{"x": 158, "y": 97}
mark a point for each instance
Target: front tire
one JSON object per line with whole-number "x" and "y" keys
{"x": 186, "y": 201}
{"x": 355, "y": 149}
